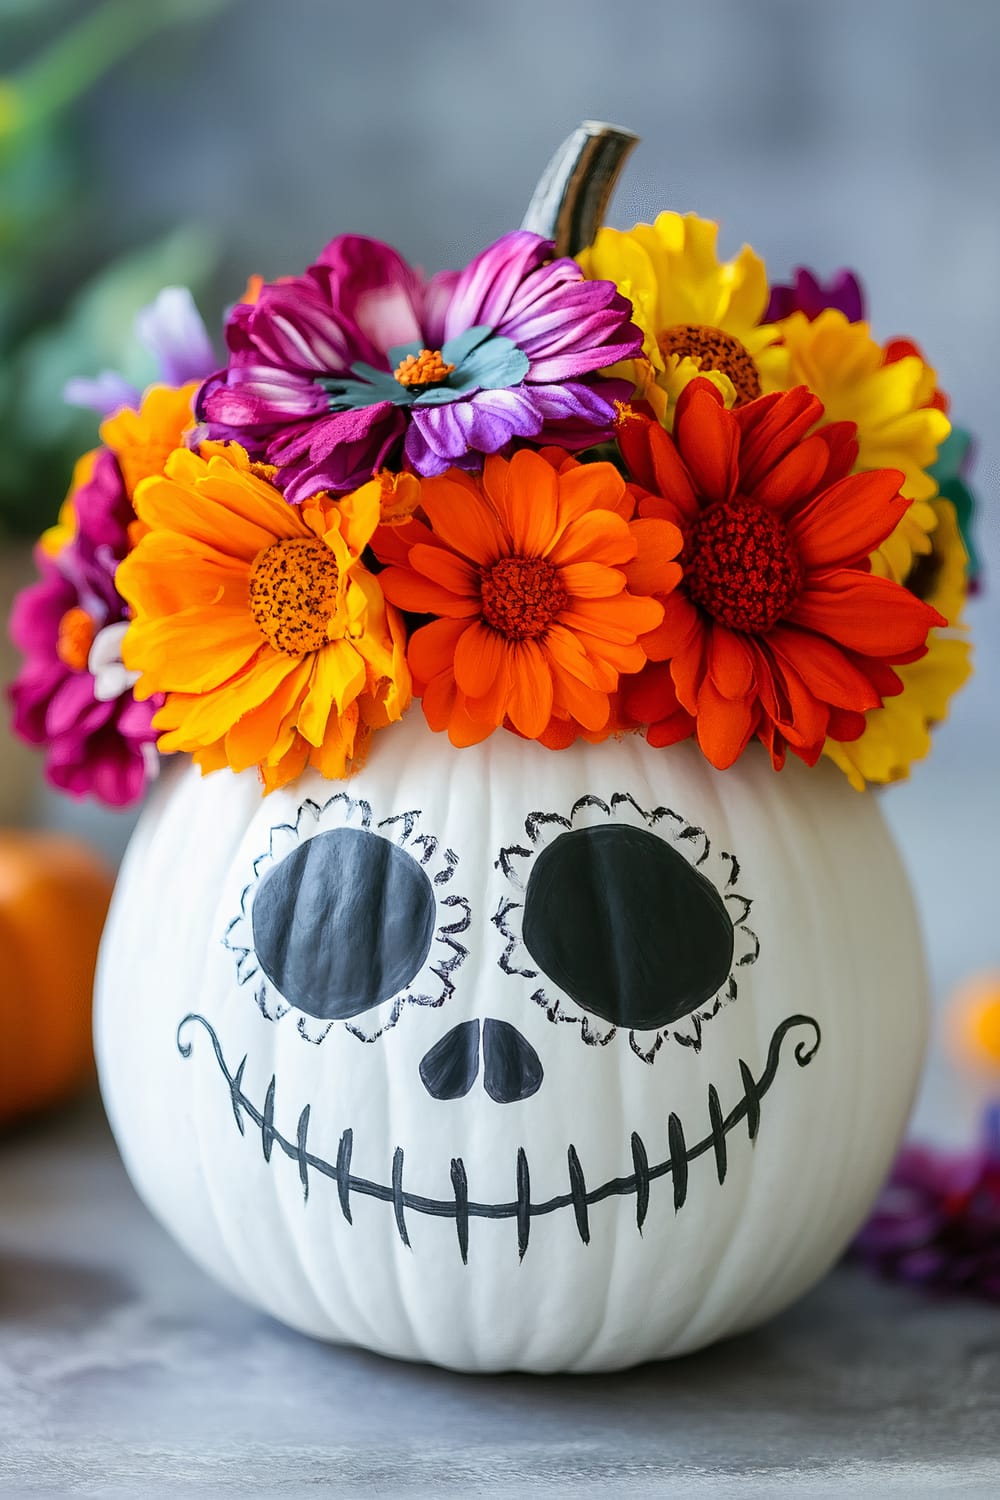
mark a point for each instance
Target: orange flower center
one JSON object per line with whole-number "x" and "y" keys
{"x": 426, "y": 368}
{"x": 293, "y": 594}
{"x": 711, "y": 349}
{"x": 740, "y": 566}
{"x": 522, "y": 596}
{"x": 75, "y": 638}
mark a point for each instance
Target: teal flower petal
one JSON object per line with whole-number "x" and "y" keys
{"x": 461, "y": 346}
{"x": 399, "y": 352}
{"x": 493, "y": 366}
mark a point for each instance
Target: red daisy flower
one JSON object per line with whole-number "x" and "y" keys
{"x": 779, "y": 629}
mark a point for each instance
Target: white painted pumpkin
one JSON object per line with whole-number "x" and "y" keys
{"x": 536, "y": 1189}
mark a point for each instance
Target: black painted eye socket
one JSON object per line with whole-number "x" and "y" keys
{"x": 345, "y": 922}
{"x": 626, "y": 926}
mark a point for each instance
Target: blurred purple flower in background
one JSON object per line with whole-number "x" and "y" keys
{"x": 172, "y": 330}
{"x": 937, "y": 1222}
{"x": 805, "y": 293}
{"x": 330, "y": 371}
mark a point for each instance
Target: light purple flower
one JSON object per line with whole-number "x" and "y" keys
{"x": 171, "y": 328}
{"x": 805, "y": 293}
{"x": 317, "y": 381}
{"x": 95, "y": 745}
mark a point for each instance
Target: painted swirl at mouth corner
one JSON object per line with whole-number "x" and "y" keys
{"x": 460, "y": 1207}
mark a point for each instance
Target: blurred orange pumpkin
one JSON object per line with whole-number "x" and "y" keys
{"x": 54, "y": 895}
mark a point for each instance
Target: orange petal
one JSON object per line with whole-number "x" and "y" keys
{"x": 730, "y": 665}
{"x": 794, "y": 476}
{"x": 190, "y": 652}
{"x": 654, "y": 569}
{"x": 527, "y": 503}
{"x": 590, "y": 487}
{"x": 419, "y": 595}
{"x": 591, "y": 580}
{"x": 530, "y": 702}
{"x": 446, "y": 568}
{"x": 463, "y": 519}
{"x": 725, "y": 726}
{"x": 432, "y": 648}
{"x": 481, "y": 666}
{"x": 598, "y": 536}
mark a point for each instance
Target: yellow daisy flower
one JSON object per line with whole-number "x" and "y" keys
{"x": 898, "y": 733}
{"x": 258, "y": 620}
{"x": 699, "y": 316}
{"x": 890, "y": 402}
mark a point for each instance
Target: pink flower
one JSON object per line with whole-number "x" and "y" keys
{"x": 95, "y": 744}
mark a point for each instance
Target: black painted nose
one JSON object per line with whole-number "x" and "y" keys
{"x": 512, "y": 1069}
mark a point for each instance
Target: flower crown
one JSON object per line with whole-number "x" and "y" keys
{"x": 638, "y": 491}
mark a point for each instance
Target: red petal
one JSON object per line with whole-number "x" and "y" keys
{"x": 842, "y": 525}
{"x": 708, "y": 440}
{"x": 770, "y": 427}
{"x": 865, "y": 613}
{"x": 725, "y": 726}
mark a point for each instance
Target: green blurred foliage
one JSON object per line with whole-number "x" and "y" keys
{"x": 59, "y": 317}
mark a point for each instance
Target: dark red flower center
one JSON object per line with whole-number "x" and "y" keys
{"x": 740, "y": 566}
{"x": 294, "y": 593}
{"x": 712, "y": 349}
{"x": 426, "y": 368}
{"x": 521, "y": 596}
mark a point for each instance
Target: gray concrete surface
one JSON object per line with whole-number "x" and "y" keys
{"x": 124, "y": 1371}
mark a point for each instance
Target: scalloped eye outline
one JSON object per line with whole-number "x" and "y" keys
{"x": 433, "y": 983}
{"x": 721, "y": 867}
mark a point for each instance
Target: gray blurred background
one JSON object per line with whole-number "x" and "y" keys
{"x": 862, "y": 133}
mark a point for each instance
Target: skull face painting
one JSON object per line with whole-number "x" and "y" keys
{"x": 511, "y": 1058}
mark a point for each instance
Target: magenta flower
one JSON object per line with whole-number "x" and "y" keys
{"x": 361, "y": 363}
{"x": 71, "y": 695}
{"x": 938, "y": 1220}
{"x": 805, "y": 293}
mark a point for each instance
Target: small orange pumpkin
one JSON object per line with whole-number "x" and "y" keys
{"x": 54, "y": 895}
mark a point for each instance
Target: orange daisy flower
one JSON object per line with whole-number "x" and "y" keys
{"x": 779, "y": 628}
{"x": 258, "y": 620}
{"x": 540, "y": 582}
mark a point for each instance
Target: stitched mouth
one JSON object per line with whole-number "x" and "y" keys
{"x": 460, "y": 1207}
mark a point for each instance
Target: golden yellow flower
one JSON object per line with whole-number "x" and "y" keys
{"x": 698, "y": 315}
{"x": 889, "y": 401}
{"x": 257, "y": 619}
{"x": 143, "y": 440}
{"x": 898, "y": 733}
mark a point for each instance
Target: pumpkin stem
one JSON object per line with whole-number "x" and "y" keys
{"x": 572, "y": 194}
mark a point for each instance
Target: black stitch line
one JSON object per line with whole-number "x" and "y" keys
{"x": 718, "y": 1133}
{"x": 522, "y": 1209}
{"x": 409, "y": 821}
{"x": 460, "y": 1183}
{"x": 300, "y": 1141}
{"x": 267, "y": 1131}
{"x": 398, "y": 1196}
{"x": 678, "y": 1155}
{"x": 578, "y": 1193}
{"x": 640, "y": 1161}
{"x": 589, "y": 800}
{"x": 342, "y": 1172}
{"x": 523, "y": 1206}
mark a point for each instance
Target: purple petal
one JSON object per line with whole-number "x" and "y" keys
{"x": 292, "y": 326}
{"x": 108, "y": 392}
{"x": 259, "y": 396}
{"x": 337, "y": 453}
{"x": 484, "y": 290}
{"x": 171, "y": 328}
{"x": 374, "y": 289}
